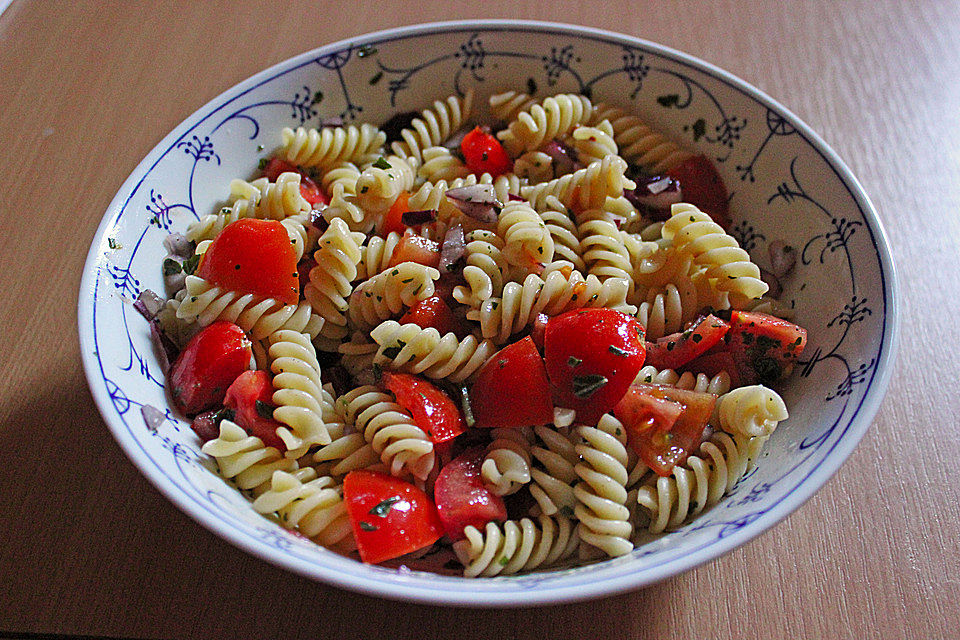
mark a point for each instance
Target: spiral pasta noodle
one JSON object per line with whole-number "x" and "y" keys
{"x": 401, "y": 444}
{"x": 342, "y": 172}
{"x": 439, "y": 163}
{"x": 592, "y": 144}
{"x": 244, "y": 458}
{"x": 602, "y": 491}
{"x": 586, "y": 188}
{"x": 700, "y": 482}
{"x": 505, "y": 106}
{"x": 506, "y": 465}
{"x": 485, "y": 268}
{"x": 434, "y": 125}
{"x": 298, "y": 392}
{"x": 204, "y": 303}
{"x": 330, "y": 145}
{"x": 551, "y": 118}
{"x": 700, "y": 382}
{"x": 751, "y": 411}
{"x": 376, "y": 254}
{"x": 535, "y": 166}
{"x": 602, "y": 247}
{"x": 387, "y": 293}
{"x": 314, "y": 508}
{"x": 331, "y": 280}
{"x": 695, "y": 233}
{"x": 517, "y": 546}
{"x": 410, "y": 348}
{"x": 379, "y": 184}
{"x": 638, "y": 143}
{"x": 526, "y": 238}
{"x": 552, "y": 478}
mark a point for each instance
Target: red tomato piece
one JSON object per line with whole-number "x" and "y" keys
{"x": 303, "y": 271}
{"x": 250, "y": 397}
{"x": 664, "y": 425}
{"x": 592, "y": 357}
{"x": 432, "y": 410}
{"x": 309, "y": 189}
{"x": 414, "y": 248}
{"x": 483, "y": 153}
{"x": 389, "y": 517}
{"x": 512, "y": 388}
{"x": 677, "y": 349}
{"x": 433, "y": 312}
{"x": 701, "y": 185}
{"x": 764, "y": 347}
{"x": 253, "y": 256}
{"x": 539, "y": 329}
{"x": 710, "y": 364}
{"x": 208, "y": 364}
{"x": 462, "y": 499}
{"x": 393, "y": 221}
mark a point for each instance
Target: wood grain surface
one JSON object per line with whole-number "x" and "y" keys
{"x": 90, "y": 547}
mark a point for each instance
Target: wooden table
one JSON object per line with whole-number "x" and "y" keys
{"x": 90, "y": 547}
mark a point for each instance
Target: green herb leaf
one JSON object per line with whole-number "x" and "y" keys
{"x": 574, "y": 362}
{"x": 190, "y": 264}
{"x": 617, "y": 351}
{"x": 113, "y": 244}
{"x": 465, "y": 406}
{"x": 382, "y": 163}
{"x": 586, "y": 386}
{"x": 171, "y": 267}
{"x": 384, "y": 507}
{"x": 366, "y": 526}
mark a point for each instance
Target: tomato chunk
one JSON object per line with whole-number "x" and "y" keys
{"x": 432, "y": 410}
{"x": 462, "y": 499}
{"x": 664, "y": 425}
{"x": 253, "y": 256}
{"x": 512, "y": 389}
{"x": 414, "y": 248}
{"x": 701, "y": 185}
{"x": 592, "y": 357}
{"x": 250, "y": 397}
{"x": 677, "y": 349}
{"x": 389, "y": 517}
{"x": 393, "y": 221}
{"x": 764, "y": 347}
{"x": 710, "y": 364}
{"x": 208, "y": 364}
{"x": 435, "y": 313}
{"x": 483, "y": 153}
{"x": 309, "y": 189}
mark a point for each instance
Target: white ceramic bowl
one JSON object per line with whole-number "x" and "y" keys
{"x": 785, "y": 184}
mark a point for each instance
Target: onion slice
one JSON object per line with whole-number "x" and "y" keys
{"x": 655, "y": 196}
{"x": 148, "y": 304}
{"x": 152, "y": 417}
{"x": 563, "y": 158}
{"x": 178, "y": 245}
{"x": 783, "y": 258}
{"x": 452, "y": 249}
{"x": 413, "y": 218}
{"x": 166, "y": 349}
{"x": 478, "y": 201}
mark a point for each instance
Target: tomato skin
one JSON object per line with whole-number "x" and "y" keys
{"x": 677, "y": 349}
{"x": 592, "y": 344}
{"x": 483, "y": 153}
{"x": 393, "y": 221}
{"x": 462, "y": 499}
{"x": 414, "y": 248}
{"x": 710, "y": 364}
{"x": 764, "y": 347}
{"x": 209, "y": 363}
{"x": 309, "y": 189}
{"x": 253, "y": 256}
{"x": 512, "y": 389}
{"x": 389, "y": 517}
{"x": 539, "y": 329}
{"x": 432, "y": 410}
{"x": 434, "y": 313}
{"x": 701, "y": 185}
{"x": 247, "y": 390}
{"x": 664, "y": 425}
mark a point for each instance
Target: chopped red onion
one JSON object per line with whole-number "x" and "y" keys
{"x": 152, "y": 417}
{"x": 655, "y": 196}
{"x": 148, "y": 304}
{"x": 413, "y": 218}
{"x": 317, "y": 219}
{"x": 453, "y": 142}
{"x": 165, "y": 348}
{"x": 452, "y": 249}
{"x": 783, "y": 258}
{"x": 177, "y": 244}
{"x": 563, "y": 417}
{"x": 478, "y": 201}
{"x": 515, "y": 198}
{"x": 207, "y": 425}
{"x": 563, "y": 158}
{"x": 333, "y": 121}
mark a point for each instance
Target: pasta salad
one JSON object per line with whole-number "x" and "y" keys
{"x": 483, "y": 340}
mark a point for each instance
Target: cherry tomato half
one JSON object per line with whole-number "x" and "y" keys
{"x": 592, "y": 357}
{"x": 462, "y": 499}
{"x": 208, "y": 364}
{"x": 483, "y": 153}
{"x": 512, "y": 389}
{"x": 251, "y": 399}
{"x": 432, "y": 410}
{"x": 309, "y": 189}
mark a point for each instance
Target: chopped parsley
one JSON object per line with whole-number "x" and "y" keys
{"x": 366, "y": 526}
{"x": 384, "y": 507}
{"x": 382, "y": 163}
{"x": 617, "y": 351}
{"x": 264, "y": 410}
{"x": 113, "y": 244}
{"x": 171, "y": 267}
{"x": 574, "y": 362}
{"x": 190, "y": 264}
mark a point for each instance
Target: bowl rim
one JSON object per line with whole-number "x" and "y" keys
{"x": 336, "y": 572}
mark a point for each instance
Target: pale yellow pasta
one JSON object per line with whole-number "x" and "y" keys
{"x": 696, "y": 234}
{"x": 439, "y": 163}
{"x": 410, "y": 348}
{"x": 331, "y": 280}
{"x": 485, "y": 270}
{"x": 544, "y": 121}
{"x": 638, "y": 143}
{"x": 314, "y": 508}
{"x": 553, "y": 475}
{"x": 505, "y": 106}
{"x": 593, "y": 144}
{"x": 244, "y": 458}
{"x": 385, "y": 294}
{"x": 506, "y": 466}
{"x": 602, "y": 491}
{"x": 753, "y": 410}
{"x": 434, "y": 126}
{"x": 330, "y": 145}
{"x": 516, "y": 546}
{"x": 535, "y": 166}
{"x": 342, "y": 173}
{"x": 379, "y": 184}
{"x": 525, "y": 236}
{"x": 602, "y": 247}
{"x": 586, "y": 188}
{"x": 298, "y": 392}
